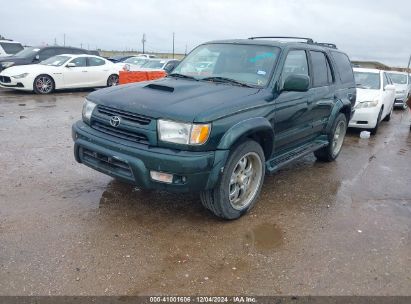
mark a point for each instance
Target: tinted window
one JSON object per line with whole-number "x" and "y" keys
{"x": 295, "y": 63}
{"x": 320, "y": 69}
{"x": 11, "y": 48}
{"x": 344, "y": 67}
{"x": 47, "y": 53}
{"x": 80, "y": 61}
{"x": 93, "y": 61}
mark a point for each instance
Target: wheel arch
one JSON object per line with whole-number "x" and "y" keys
{"x": 258, "y": 129}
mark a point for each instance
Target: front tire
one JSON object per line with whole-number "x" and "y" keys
{"x": 388, "y": 117}
{"x": 375, "y": 129}
{"x": 112, "y": 80}
{"x": 239, "y": 185}
{"x": 43, "y": 84}
{"x": 335, "y": 139}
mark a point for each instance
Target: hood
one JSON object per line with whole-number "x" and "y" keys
{"x": 367, "y": 95}
{"x": 178, "y": 99}
{"x": 29, "y": 68}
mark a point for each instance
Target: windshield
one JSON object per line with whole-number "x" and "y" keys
{"x": 28, "y": 52}
{"x": 136, "y": 61}
{"x": 56, "y": 60}
{"x": 154, "y": 64}
{"x": 11, "y": 48}
{"x": 248, "y": 64}
{"x": 366, "y": 80}
{"x": 398, "y": 78}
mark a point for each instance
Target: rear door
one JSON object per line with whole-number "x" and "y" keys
{"x": 98, "y": 71}
{"x": 321, "y": 99}
{"x": 293, "y": 122}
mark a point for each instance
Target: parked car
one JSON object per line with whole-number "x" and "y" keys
{"x": 134, "y": 62}
{"x": 61, "y": 72}
{"x": 33, "y": 55}
{"x": 402, "y": 88}
{"x": 375, "y": 99}
{"x": 265, "y": 104}
{"x": 146, "y": 56}
{"x": 9, "y": 47}
{"x": 157, "y": 64}
{"x": 119, "y": 58}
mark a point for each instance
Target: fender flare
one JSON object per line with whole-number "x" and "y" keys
{"x": 335, "y": 111}
{"x": 245, "y": 128}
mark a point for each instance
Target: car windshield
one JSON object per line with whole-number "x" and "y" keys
{"x": 398, "y": 78}
{"x": 154, "y": 64}
{"x": 136, "y": 61}
{"x": 11, "y": 47}
{"x": 365, "y": 80}
{"x": 28, "y": 52}
{"x": 56, "y": 60}
{"x": 242, "y": 63}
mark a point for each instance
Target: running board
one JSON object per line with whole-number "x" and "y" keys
{"x": 276, "y": 163}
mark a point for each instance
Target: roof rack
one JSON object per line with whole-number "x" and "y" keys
{"x": 309, "y": 40}
{"x": 326, "y": 44}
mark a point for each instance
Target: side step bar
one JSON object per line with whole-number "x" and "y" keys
{"x": 276, "y": 163}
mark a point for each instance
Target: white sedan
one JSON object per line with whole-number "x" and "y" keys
{"x": 61, "y": 72}
{"x": 375, "y": 99}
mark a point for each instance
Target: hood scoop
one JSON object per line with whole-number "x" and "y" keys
{"x": 160, "y": 87}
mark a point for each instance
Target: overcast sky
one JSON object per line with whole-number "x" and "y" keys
{"x": 365, "y": 29}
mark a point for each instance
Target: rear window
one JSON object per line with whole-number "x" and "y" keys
{"x": 11, "y": 48}
{"x": 344, "y": 67}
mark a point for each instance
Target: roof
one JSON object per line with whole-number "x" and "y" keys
{"x": 367, "y": 70}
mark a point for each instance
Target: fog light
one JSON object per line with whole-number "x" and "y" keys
{"x": 161, "y": 177}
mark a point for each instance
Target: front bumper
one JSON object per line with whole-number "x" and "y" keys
{"x": 132, "y": 162}
{"x": 10, "y": 82}
{"x": 365, "y": 118}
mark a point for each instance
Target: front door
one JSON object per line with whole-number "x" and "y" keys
{"x": 292, "y": 121}
{"x": 77, "y": 76}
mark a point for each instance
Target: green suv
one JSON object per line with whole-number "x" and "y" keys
{"x": 230, "y": 112}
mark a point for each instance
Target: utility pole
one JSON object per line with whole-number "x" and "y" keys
{"x": 143, "y": 41}
{"x": 185, "y": 53}
{"x": 55, "y": 41}
{"x": 173, "y": 44}
{"x": 64, "y": 39}
{"x": 81, "y": 45}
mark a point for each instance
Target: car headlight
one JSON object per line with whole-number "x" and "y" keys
{"x": 367, "y": 104}
{"x": 20, "y": 75}
{"x": 7, "y": 64}
{"x": 183, "y": 133}
{"x": 88, "y": 108}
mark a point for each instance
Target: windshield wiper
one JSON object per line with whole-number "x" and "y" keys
{"x": 226, "y": 80}
{"x": 178, "y": 75}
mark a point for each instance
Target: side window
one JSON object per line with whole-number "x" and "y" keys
{"x": 295, "y": 63}
{"x": 47, "y": 53}
{"x": 344, "y": 67}
{"x": 79, "y": 61}
{"x": 93, "y": 61}
{"x": 321, "y": 71}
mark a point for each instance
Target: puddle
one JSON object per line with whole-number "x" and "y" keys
{"x": 264, "y": 237}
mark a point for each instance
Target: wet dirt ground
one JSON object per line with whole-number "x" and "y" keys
{"x": 340, "y": 228}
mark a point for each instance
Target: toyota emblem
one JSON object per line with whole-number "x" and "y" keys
{"x": 115, "y": 121}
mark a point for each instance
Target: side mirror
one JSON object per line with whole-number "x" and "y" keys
{"x": 297, "y": 83}
{"x": 36, "y": 58}
{"x": 70, "y": 65}
{"x": 389, "y": 87}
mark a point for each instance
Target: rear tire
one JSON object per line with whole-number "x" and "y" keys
{"x": 239, "y": 185}
{"x": 112, "y": 80}
{"x": 43, "y": 84}
{"x": 335, "y": 139}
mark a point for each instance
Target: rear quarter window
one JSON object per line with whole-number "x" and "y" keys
{"x": 344, "y": 67}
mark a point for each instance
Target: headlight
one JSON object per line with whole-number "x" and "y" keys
{"x": 88, "y": 108}
{"x": 20, "y": 76}
{"x": 7, "y": 64}
{"x": 183, "y": 133}
{"x": 367, "y": 104}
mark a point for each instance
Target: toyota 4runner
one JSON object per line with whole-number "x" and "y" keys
{"x": 258, "y": 105}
